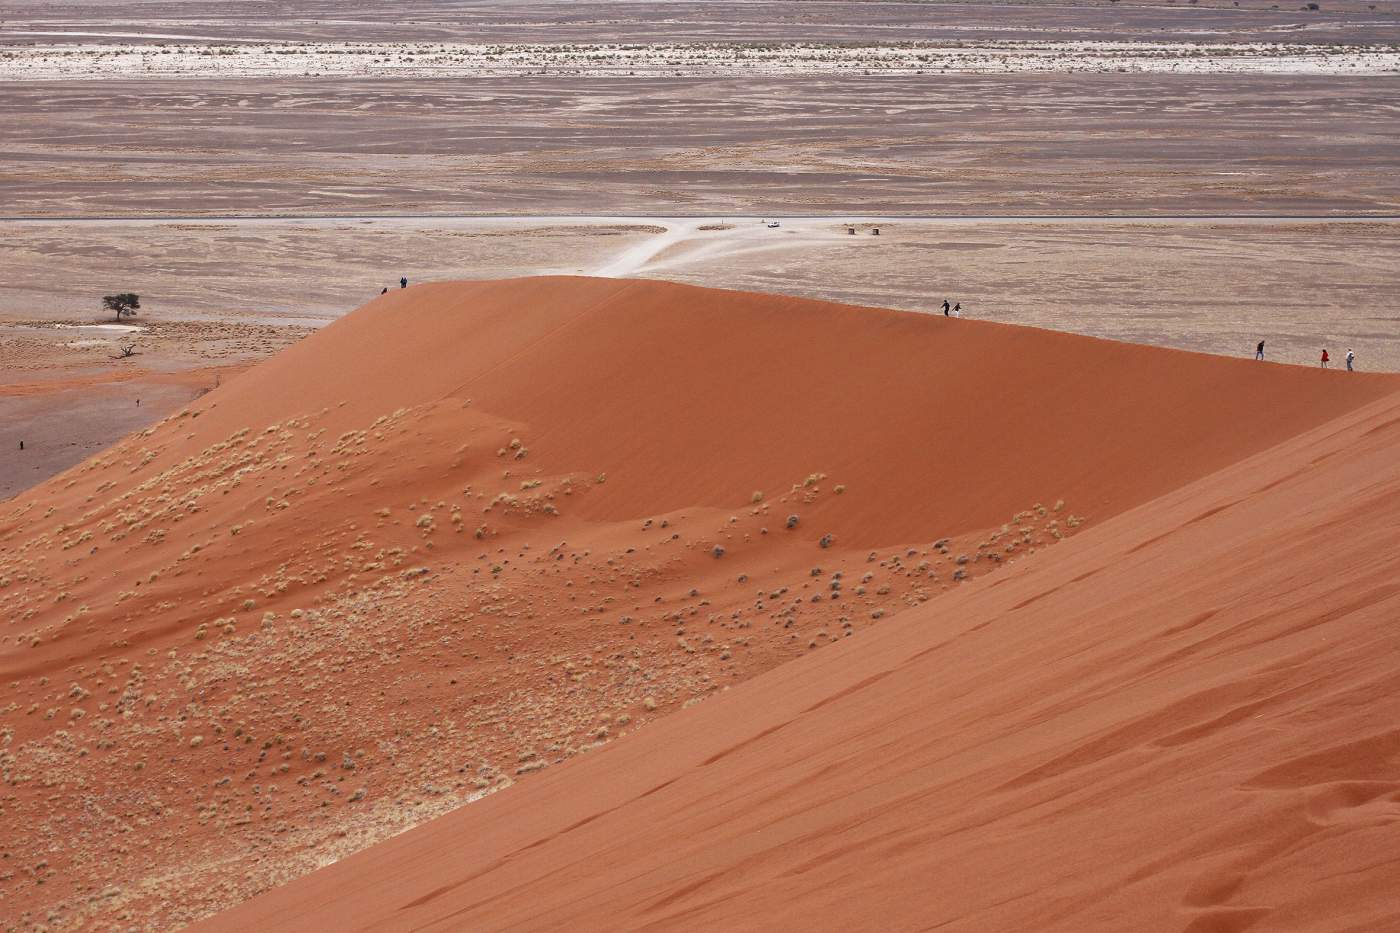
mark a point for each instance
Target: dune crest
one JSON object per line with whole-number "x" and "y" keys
{"x": 1184, "y": 719}
{"x": 473, "y": 530}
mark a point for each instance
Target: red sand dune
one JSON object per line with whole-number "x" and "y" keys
{"x": 1184, "y": 719}
{"x": 470, "y": 531}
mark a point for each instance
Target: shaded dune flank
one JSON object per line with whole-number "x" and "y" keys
{"x": 474, "y": 529}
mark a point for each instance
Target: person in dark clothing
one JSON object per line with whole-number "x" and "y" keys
{"x": 946, "y": 306}
{"x": 384, "y": 290}
{"x": 1259, "y": 351}
{"x": 403, "y": 282}
{"x": 957, "y": 309}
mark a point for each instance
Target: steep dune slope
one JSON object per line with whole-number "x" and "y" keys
{"x": 473, "y": 530}
{"x": 693, "y": 396}
{"x": 1183, "y": 719}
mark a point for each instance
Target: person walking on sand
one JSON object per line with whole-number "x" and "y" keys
{"x": 1351, "y": 358}
{"x": 1325, "y": 358}
{"x": 384, "y": 290}
{"x": 1259, "y": 351}
{"x": 403, "y": 282}
{"x": 945, "y": 307}
{"x": 957, "y": 309}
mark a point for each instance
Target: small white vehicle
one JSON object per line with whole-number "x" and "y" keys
{"x": 773, "y": 224}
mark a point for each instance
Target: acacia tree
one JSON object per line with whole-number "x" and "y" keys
{"x": 124, "y": 305}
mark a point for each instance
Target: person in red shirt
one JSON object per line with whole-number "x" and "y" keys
{"x": 1325, "y": 358}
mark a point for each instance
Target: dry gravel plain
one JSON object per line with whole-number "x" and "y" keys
{"x": 958, "y": 144}
{"x": 1189, "y": 174}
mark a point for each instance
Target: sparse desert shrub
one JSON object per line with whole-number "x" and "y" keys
{"x": 124, "y": 304}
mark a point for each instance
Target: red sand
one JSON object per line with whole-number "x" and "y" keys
{"x": 688, "y": 396}
{"x": 1185, "y": 719}
{"x": 369, "y": 547}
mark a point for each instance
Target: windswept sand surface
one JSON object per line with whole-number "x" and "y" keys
{"x": 216, "y": 297}
{"x": 1183, "y": 719}
{"x": 344, "y": 593}
{"x": 782, "y": 613}
{"x": 219, "y": 295}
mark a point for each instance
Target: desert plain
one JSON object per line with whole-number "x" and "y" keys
{"x": 663, "y": 556}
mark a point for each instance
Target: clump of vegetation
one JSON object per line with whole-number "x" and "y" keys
{"x": 123, "y": 305}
